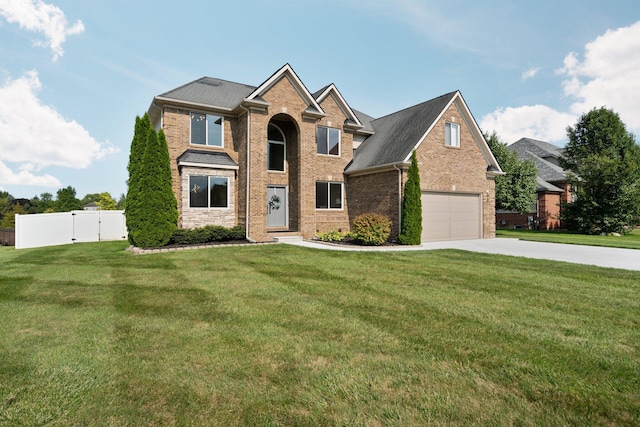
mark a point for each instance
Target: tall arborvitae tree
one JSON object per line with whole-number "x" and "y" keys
{"x": 150, "y": 201}
{"x": 411, "y": 222}
{"x": 133, "y": 205}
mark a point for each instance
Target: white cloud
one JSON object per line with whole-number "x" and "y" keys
{"x": 530, "y": 73}
{"x": 25, "y": 177}
{"x": 609, "y": 76}
{"x": 35, "y": 135}
{"x": 38, "y": 16}
{"x": 532, "y": 121}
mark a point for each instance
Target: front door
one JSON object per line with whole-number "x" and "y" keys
{"x": 277, "y": 206}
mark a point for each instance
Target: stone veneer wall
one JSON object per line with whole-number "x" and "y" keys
{"x": 199, "y": 217}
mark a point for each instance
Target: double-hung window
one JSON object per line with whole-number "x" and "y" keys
{"x": 328, "y": 195}
{"x": 206, "y": 129}
{"x": 328, "y": 141}
{"x": 208, "y": 191}
{"x": 452, "y": 134}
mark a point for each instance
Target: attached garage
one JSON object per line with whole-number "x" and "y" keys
{"x": 451, "y": 216}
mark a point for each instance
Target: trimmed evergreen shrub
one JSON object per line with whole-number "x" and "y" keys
{"x": 133, "y": 211}
{"x": 371, "y": 229}
{"x": 411, "y": 221}
{"x": 206, "y": 234}
{"x": 151, "y": 207}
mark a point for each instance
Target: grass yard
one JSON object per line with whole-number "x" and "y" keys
{"x": 629, "y": 241}
{"x": 281, "y": 335}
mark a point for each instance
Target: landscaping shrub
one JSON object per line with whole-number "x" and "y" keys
{"x": 206, "y": 234}
{"x": 371, "y": 229}
{"x": 331, "y": 236}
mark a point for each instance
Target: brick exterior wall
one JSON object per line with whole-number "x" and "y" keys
{"x": 177, "y": 127}
{"x": 549, "y": 210}
{"x": 547, "y": 216}
{"x": 457, "y": 169}
{"x": 376, "y": 192}
{"x": 304, "y": 166}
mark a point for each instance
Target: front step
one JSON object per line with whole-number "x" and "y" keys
{"x": 287, "y": 238}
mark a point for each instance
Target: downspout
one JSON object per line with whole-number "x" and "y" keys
{"x": 399, "y": 197}
{"x": 247, "y": 195}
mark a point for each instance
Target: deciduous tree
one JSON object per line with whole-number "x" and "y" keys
{"x": 603, "y": 161}
{"x": 66, "y": 200}
{"x": 516, "y": 190}
{"x": 106, "y": 202}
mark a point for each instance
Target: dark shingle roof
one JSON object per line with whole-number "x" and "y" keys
{"x": 544, "y": 156}
{"x": 542, "y": 185}
{"x": 207, "y": 158}
{"x": 397, "y": 134}
{"x": 365, "y": 119}
{"x": 211, "y": 92}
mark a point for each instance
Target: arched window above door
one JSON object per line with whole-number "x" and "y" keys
{"x": 275, "y": 148}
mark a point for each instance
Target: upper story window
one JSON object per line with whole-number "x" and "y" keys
{"x": 206, "y": 129}
{"x": 328, "y": 140}
{"x": 452, "y": 134}
{"x": 275, "y": 149}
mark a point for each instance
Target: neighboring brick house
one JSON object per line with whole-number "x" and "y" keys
{"x": 280, "y": 160}
{"x": 552, "y": 187}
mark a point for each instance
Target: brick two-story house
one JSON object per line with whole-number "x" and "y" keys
{"x": 552, "y": 187}
{"x": 278, "y": 159}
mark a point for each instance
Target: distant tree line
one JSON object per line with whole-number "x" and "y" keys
{"x": 65, "y": 201}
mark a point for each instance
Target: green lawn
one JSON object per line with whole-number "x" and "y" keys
{"x": 629, "y": 241}
{"x": 281, "y": 335}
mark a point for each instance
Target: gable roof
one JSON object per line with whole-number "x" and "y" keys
{"x": 398, "y": 134}
{"x": 286, "y": 71}
{"x": 544, "y": 156}
{"x": 352, "y": 119}
{"x": 209, "y": 92}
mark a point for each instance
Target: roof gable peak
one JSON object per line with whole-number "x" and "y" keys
{"x": 286, "y": 72}
{"x": 331, "y": 89}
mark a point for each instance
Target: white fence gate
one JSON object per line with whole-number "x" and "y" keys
{"x": 61, "y": 228}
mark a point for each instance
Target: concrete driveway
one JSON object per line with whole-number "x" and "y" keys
{"x": 627, "y": 259}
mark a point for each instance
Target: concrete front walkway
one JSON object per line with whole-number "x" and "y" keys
{"x": 628, "y": 259}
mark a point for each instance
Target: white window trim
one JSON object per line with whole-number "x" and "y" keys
{"x": 209, "y": 207}
{"x": 451, "y": 126}
{"x": 206, "y": 128}
{"x": 327, "y": 142}
{"x": 329, "y": 208}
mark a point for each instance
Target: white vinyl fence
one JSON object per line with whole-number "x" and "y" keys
{"x": 61, "y": 228}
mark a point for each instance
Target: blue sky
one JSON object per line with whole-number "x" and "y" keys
{"x": 74, "y": 74}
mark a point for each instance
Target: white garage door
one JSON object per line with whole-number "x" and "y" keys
{"x": 449, "y": 216}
